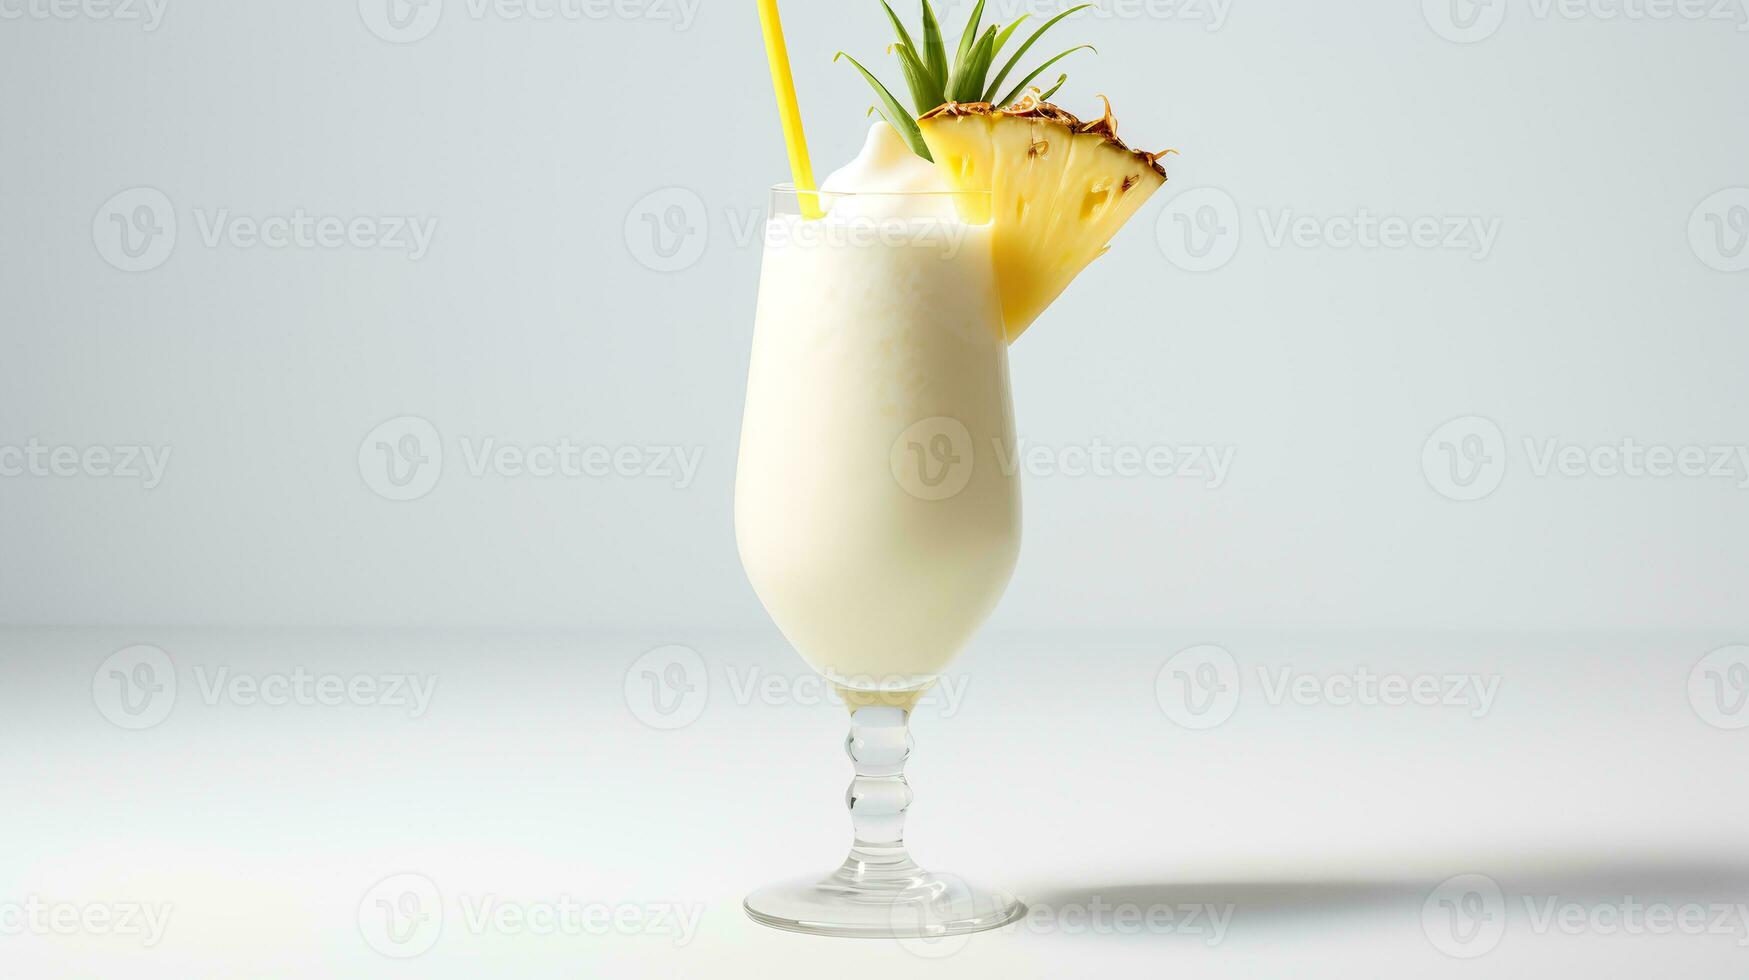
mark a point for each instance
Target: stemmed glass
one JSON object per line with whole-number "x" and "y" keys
{"x": 877, "y": 510}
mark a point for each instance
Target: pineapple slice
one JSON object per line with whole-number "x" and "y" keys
{"x": 1059, "y": 189}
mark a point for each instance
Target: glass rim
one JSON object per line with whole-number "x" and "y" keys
{"x": 789, "y": 188}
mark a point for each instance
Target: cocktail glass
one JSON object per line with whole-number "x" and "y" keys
{"x": 877, "y": 509}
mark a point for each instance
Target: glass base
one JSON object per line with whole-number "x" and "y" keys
{"x": 921, "y": 905}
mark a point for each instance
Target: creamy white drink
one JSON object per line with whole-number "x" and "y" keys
{"x": 874, "y": 514}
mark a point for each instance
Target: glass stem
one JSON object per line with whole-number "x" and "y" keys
{"x": 878, "y": 745}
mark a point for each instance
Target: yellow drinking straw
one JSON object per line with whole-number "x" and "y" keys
{"x": 787, "y": 108}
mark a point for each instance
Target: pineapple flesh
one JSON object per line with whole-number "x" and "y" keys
{"x": 1058, "y": 190}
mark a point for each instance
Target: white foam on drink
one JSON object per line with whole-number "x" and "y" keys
{"x": 887, "y": 180}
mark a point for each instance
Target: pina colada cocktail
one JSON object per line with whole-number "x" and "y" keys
{"x": 874, "y": 511}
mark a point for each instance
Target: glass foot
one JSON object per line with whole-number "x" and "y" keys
{"x": 919, "y": 906}
{"x": 879, "y": 892}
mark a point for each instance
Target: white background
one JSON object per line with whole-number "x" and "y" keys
{"x": 534, "y": 314}
{"x": 556, "y": 301}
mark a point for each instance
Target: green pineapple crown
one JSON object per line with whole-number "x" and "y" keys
{"x": 933, "y": 83}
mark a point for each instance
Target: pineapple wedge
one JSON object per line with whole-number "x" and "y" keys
{"x": 1059, "y": 189}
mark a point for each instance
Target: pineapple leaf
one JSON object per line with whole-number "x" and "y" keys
{"x": 968, "y": 75}
{"x": 926, "y": 89}
{"x": 925, "y": 95}
{"x": 1002, "y": 38}
{"x": 969, "y": 39}
{"x": 990, "y": 92}
{"x": 1036, "y": 72}
{"x": 1053, "y": 89}
{"x": 934, "y": 54}
{"x": 899, "y": 26}
{"x": 895, "y": 113}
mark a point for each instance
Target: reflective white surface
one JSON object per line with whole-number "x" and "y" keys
{"x": 534, "y": 791}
